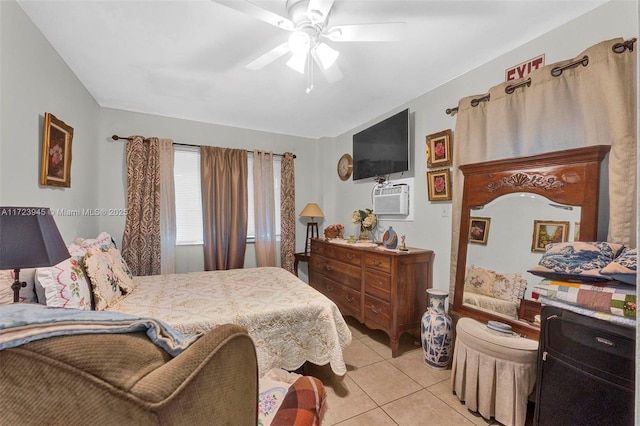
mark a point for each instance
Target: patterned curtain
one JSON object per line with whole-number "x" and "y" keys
{"x": 141, "y": 240}
{"x": 224, "y": 177}
{"x": 589, "y": 102}
{"x": 264, "y": 208}
{"x": 287, "y": 212}
{"x": 167, "y": 208}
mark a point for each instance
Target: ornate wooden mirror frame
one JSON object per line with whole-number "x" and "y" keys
{"x": 569, "y": 177}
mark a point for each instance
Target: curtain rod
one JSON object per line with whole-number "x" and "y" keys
{"x": 556, "y": 72}
{"x": 116, "y": 137}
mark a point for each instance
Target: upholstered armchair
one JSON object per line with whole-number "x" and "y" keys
{"x": 124, "y": 379}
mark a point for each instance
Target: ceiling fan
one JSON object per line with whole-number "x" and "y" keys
{"x": 308, "y": 23}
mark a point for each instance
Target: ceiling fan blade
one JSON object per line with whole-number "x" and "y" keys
{"x": 322, "y": 6}
{"x": 258, "y": 12}
{"x": 332, "y": 74}
{"x": 268, "y": 57}
{"x": 388, "y": 31}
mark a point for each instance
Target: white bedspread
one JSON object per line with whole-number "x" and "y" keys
{"x": 289, "y": 321}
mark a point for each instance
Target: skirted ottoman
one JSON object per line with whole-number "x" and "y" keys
{"x": 493, "y": 373}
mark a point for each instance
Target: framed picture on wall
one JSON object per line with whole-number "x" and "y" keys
{"x": 479, "y": 230}
{"x": 548, "y": 231}
{"x": 439, "y": 149}
{"x": 439, "y": 185}
{"x": 55, "y": 169}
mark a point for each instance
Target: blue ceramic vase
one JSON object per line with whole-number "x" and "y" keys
{"x": 436, "y": 331}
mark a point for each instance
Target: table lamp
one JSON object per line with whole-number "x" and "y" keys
{"x": 29, "y": 238}
{"x": 311, "y": 210}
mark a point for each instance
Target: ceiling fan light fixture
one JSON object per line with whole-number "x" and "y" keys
{"x": 299, "y": 43}
{"x": 327, "y": 55}
{"x": 298, "y": 62}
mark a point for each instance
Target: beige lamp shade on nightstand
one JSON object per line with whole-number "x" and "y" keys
{"x": 311, "y": 210}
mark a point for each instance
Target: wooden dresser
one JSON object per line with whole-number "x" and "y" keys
{"x": 383, "y": 289}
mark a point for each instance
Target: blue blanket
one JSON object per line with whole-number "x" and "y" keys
{"x": 22, "y": 323}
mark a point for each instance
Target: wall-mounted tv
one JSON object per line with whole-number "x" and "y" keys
{"x": 383, "y": 148}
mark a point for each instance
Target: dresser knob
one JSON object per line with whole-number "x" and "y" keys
{"x": 329, "y": 289}
{"x": 375, "y": 310}
{"x": 349, "y": 298}
{"x": 328, "y": 268}
{"x": 350, "y": 256}
{"x": 376, "y": 262}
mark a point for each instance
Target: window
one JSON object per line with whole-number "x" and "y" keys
{"x": 186, "y": 173}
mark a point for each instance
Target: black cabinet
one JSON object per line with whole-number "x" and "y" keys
{"x": 586, "y": 371}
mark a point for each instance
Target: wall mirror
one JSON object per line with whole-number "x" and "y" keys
{"x": 510, "y": 209}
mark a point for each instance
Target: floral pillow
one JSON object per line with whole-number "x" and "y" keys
{"x": 27, "y": 294}
{"x": 65, "y": 284}
{"x": 479, "y": 280}
{"x": 109, "y": 281}
{"x": 624, "y": 267}
{"x": 576, "y": 261}
{"x": 509, "y": 287}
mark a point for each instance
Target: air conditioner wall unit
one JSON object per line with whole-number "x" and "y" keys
{"x": 391, "y": 200}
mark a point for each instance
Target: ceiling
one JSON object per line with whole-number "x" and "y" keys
{"x": 185, "y": 59}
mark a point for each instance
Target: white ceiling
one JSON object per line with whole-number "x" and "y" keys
{"x": 185, "y": 59}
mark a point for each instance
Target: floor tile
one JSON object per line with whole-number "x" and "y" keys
{"x": 358, "y": 355}
{"x": 383, "y": 382}
{"x": 422, "y": 408}
{"x": 379, "y": 342}
{"x": 412, "y": 364}
{"x": 375, "y": 417}
{"x": 345, "y": 399}
{"x": 445, "y": 393}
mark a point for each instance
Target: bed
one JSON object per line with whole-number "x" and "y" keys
{"x": 289, "y": 322}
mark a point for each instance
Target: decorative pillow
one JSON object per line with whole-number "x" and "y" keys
{"x": 121, "y": 269}
{"x": 576, "y": 261}
{"x": 103, "y": 241}
{"x": 624, "y": 267}
{"x": 108, "y": 285}
{"x": 509, "y": 286}
{"x": 27, "y": 294}
{"x": 65, "y": 284}
{"x": 479, "y": 281}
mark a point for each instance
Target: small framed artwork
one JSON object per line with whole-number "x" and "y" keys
{"x": 439, "y": 185}
{"x": 439, "y": 149}
{"x": 55, "y": 169}
{"x": 548, "y": 231}
{"x": 479, "y": 230}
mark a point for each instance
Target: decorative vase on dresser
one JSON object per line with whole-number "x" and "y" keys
{"x": 436, "y": 331}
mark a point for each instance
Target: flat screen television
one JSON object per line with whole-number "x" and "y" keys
{"x": 383, "y": 148}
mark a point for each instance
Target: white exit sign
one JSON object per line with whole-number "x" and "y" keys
{"x": 524, "y": 68}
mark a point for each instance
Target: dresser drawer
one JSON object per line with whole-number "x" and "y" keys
{"x": 334, "y": 251}
{"x": 347, "y": 299}
{"x": 377, "y": 311}
{"x": 379, "y": 262}
{"x": 344, "y": 273}
{"x": 378, "y": 284}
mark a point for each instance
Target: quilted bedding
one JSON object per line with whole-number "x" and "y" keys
{"x": 289, "y": 321}
{"x": 611, "y": 298}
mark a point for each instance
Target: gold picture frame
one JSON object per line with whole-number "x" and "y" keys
{"x": 55, "y": 169}
{"x": 479, "y": 230}
{"x": 548, "y": 231}
{"x": 439, "y": 185}
{"x": 439, "y": 149}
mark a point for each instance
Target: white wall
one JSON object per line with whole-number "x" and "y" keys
{"x": 431, "y": 228}
{"x": 35, "y": 80}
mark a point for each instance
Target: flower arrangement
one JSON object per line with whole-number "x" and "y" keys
{"x": 334, "y": 231}
{"x": 366, "y": 219}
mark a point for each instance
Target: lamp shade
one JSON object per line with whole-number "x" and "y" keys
{"x": 29, "y": 238}
{"x": 311, "y": 210}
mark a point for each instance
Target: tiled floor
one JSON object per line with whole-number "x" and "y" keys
{"x": 380, "y": 390}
